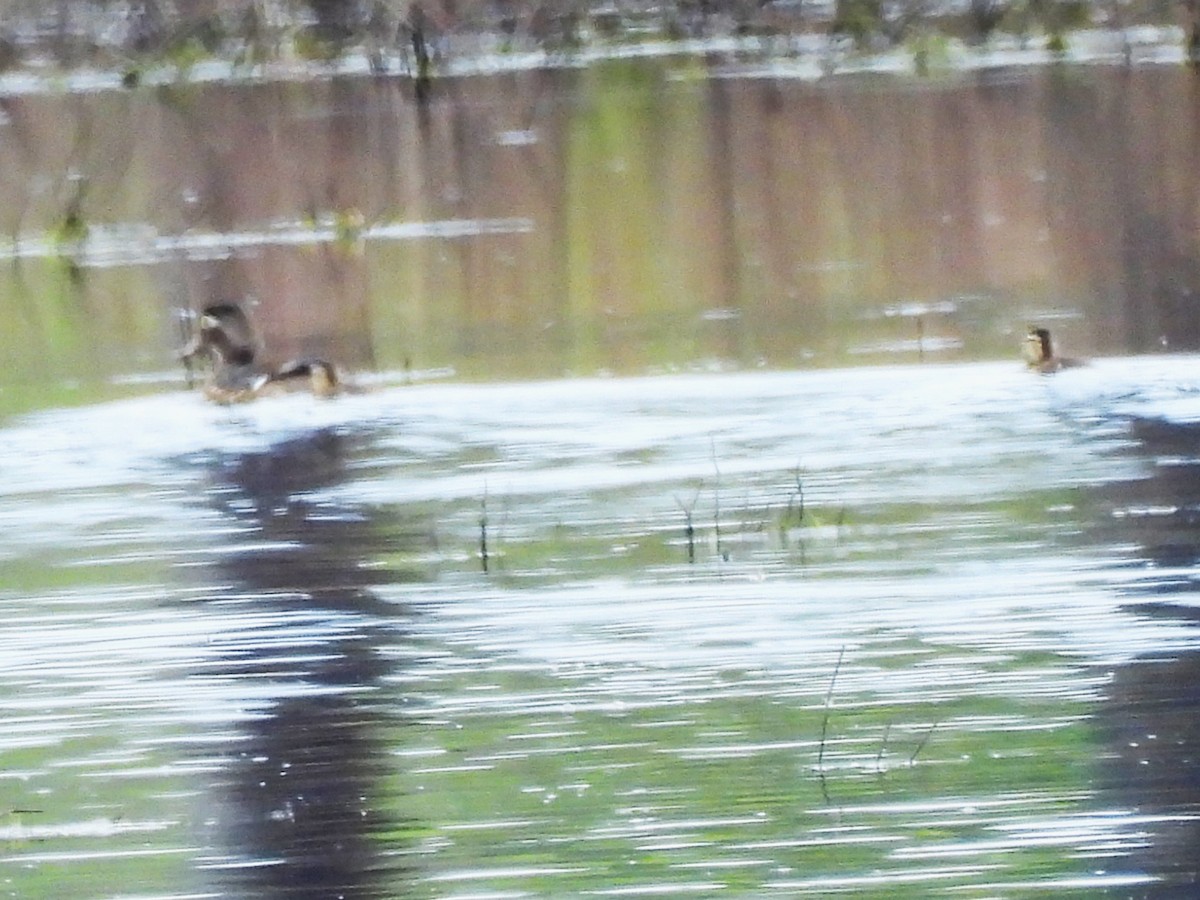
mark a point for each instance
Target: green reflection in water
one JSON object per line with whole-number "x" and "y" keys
{"x": 579, "y": 789}
{"x": 70, "y": 340}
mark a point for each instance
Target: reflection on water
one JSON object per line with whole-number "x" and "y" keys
{"x": 259, "y": 655}
{"x": 297, "y": 795}
{"x": 1151, "y": 717}
{"x": 631, "y": 217}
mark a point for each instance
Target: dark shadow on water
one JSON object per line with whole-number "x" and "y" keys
{"x": 1150, "y": 722}
{"x": 301, "y": 798}
{"x": 1152, "y": 725}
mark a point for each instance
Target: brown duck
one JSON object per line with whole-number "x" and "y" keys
{"x": 1039, "y": 354}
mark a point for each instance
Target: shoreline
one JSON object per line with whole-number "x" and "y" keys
{"x": 805, "y": 57}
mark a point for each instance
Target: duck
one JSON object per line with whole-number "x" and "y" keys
{"x": 225, "y": 338}
{"x": 323, "y": 378}
{"x": 1039, "y": 354}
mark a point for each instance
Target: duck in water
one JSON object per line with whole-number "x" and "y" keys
{"x": 1039, "y": 354}
{"x": 323, "y": 378}
{"x": 225, "y": 338}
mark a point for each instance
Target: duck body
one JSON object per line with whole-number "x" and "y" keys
{"x": 231, "y": 383}
{"x": 1039, "y": 354}
{"x": 318, "y": 375}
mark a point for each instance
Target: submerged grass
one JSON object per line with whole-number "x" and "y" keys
{"x": 743, "y": 786}
{"x": 713, "y": 532}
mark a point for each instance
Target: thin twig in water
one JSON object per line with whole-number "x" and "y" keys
{"x": 828, "y": 704}
{"x": 716, "y": 498}
{"x": 887, "y": 730}
{"x": 689, "y": 529}
{"x": 483, "y": 525}
{"x": 921, "y": 745}
{"x": 796, "y": 500}
{"x": 185, "y": 334}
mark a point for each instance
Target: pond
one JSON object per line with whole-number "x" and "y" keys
{"x": 698, "y": 530}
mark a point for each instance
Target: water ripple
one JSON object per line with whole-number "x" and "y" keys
{"x": 790, "y": 633}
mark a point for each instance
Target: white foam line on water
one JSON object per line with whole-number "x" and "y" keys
{"x": 142, "y": 246}
{"x": 820, "y": 422}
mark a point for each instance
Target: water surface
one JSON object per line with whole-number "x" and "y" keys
{"x": 929, "y": 633}
{"x": 824, "y": 595}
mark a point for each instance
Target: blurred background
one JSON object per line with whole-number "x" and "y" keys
{"x": 534, "y": 212}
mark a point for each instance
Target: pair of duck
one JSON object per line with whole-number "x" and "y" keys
{"x": 225, "y": 338}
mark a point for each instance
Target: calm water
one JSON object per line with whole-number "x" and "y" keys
{"x": 933, "y": 632}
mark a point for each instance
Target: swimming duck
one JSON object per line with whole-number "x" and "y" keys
{"x": 323, "y": 379}
{"x": 226, "y": 339}
{"x": 1038, "y": 351}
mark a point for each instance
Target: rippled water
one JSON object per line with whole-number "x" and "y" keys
{"x": 903, "y": 631}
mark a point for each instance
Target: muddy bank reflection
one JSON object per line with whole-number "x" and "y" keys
{"x": 1151, "y": 719}
{"x": 631, "y": 217}
{"x": 300, "y": 797}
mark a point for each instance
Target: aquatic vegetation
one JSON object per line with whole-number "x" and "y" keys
{"x": 72, "y": 230}
{"x": 313, "y": 45}
{"x": 348, "y": 228}
{"x": 381, "y": 37}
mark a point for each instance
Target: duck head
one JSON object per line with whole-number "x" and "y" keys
{"x": 223, "y": 334}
